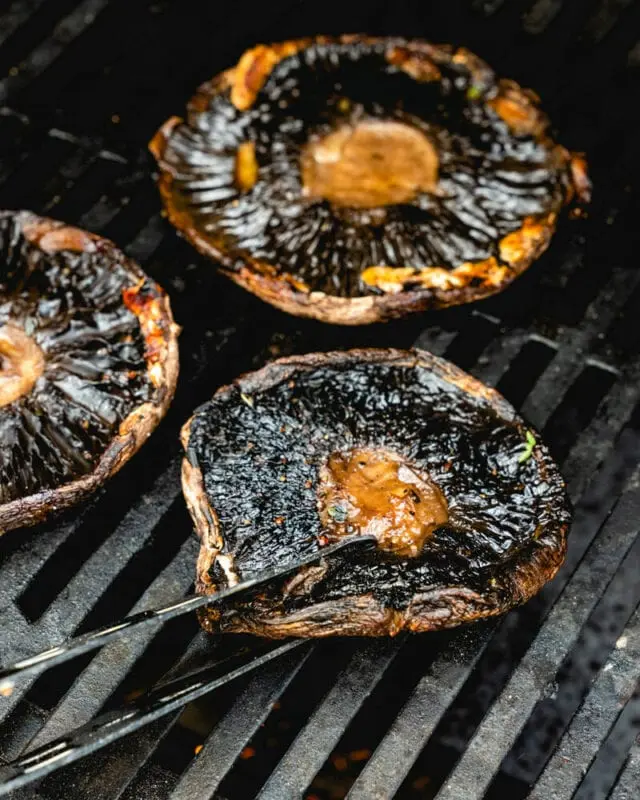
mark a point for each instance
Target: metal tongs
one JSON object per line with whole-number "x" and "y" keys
{"x": 164, "y": 697}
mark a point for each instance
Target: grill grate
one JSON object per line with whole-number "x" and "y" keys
{"x": 542, "y": 703}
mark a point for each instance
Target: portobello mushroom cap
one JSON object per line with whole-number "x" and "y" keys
{"x": 468, "y": 508}
{"x": 355, "y": 179}
{"x": 88, "y": 364}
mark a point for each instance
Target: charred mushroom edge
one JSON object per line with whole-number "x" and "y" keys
{"x": 525, "y": 573}
{"x": 517, "y": 106}
{"x": 160, "y": 334}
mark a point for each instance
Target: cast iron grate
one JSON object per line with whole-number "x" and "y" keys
{"x": 542, "y": 703}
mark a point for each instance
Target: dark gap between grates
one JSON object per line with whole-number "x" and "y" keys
{"x": 36, "y": 27}
{"x": 576, "y": 409}
{"x": 554, "y": 711}
{"x": 624, "y": 335}
{"x": 130, "y": 583}
{"x": 100, "y": 176}
{"x": 471, "y": 341}
{"x": 374, "y": 719}
{"x": 264, "y": 750}
{"x": 610, "y": 760}
{"x": 524, "y": 370}
{"x": 94, "y": 529}
{"x": 512, "y": 637}
{"x": 115, "y": 602}
{"x": 25, "y": 184}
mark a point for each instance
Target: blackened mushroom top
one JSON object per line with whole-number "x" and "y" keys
{"x": 357, "y": 178}
{"x": 469, "y": 511}
{"x": 88, "y": 363}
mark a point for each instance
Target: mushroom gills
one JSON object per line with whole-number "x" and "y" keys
{"x": 354, "y": 179}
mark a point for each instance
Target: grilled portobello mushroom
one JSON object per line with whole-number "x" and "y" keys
{"x": 355, "y": 179}
{"x": 88, "y": 364}
{"x": 469, "y": 510}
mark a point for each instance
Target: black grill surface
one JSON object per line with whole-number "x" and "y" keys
{"x": 543, "y": 703}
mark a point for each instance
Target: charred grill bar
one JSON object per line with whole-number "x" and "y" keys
{"x": 544, "y": 702}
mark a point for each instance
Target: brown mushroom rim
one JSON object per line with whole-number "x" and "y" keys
{"x": 373, "y": 491}
{"x": 513, "y": 249}
{"x": 152, "y": 320}
{"x": 370, "y": 164}
{"x": 21, "y": 363}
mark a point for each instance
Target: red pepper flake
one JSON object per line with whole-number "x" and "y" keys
{"x": 248, "y": 752}
{"x": 359, "y": 755}
{"x": 198, "y": 748}
{"x": 279, "y": 520}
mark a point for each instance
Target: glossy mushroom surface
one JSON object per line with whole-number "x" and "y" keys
{"x": 356, "y": 179}
{"x": 88, "y": 364}
{"x": 468, "y": 508}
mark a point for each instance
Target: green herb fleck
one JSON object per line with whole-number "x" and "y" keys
{"x": 474, "y": 93}
{"x": 337, "y": 513}
{"x": 247, "y": 399}
{"x": 528, "y": 448}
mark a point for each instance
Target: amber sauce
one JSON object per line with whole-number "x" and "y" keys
{"x": 377, "y": 492}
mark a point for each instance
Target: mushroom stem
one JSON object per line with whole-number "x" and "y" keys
{"x": 21, "y": 363}
{"x": 370, "y": 164}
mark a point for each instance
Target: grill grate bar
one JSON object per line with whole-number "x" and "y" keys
{"x": 481, "y": 761}
{"x": 322, "y": 732}
{"x": 226, "y": 741}
{"x": 162, "y": 701}
{"x": 589, "y": 728}
{"x": 61, "y": 618}
{"x": 610, "y": 759}
{"x": 95, "y": 684}
{"x": 107, "y": 775}
{"x": 43, "y": 55}
{"x": 406, "y": 749}
{"x": 394, "y": 757}
{"x": 565, "y": 366}
{"x": 627, "y": 785}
